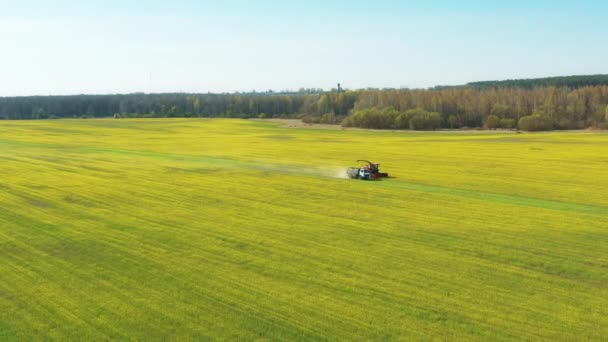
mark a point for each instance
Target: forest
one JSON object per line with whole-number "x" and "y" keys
{"x": 542, "y": 104}
{"x": 559, "y": 81}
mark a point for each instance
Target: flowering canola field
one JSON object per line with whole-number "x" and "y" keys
{"x": 189, "y": 229}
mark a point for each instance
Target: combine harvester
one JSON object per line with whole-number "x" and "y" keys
{"x": 370, "y": 171}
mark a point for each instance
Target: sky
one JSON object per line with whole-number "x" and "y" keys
{"x": 105, "y": 47}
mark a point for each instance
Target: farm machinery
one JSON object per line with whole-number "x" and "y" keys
{"x": 370, "y": 171}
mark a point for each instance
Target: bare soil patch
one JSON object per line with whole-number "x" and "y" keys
{"x": 295, "y": 123}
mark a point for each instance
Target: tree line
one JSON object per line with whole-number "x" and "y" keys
{"x": 559, "y": 81}
{"x": 538, "y": 108}
{"x": 542, "y": 108}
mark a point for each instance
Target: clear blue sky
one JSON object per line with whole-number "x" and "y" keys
{"x": 67, "y": 47}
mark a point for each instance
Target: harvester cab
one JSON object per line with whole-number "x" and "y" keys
{"x": 364, "y": 174}
{"x": 370, "y": 171}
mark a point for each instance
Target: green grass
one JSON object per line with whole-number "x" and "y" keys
{"x": 226, "y": 229}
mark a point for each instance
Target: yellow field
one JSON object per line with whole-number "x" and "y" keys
{"x": 227, "y": 229}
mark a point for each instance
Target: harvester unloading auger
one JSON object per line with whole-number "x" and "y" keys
{"x": 370, "y": 171}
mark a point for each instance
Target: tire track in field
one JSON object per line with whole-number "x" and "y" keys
{"x": 337, "y": 172}
{"x": 503, "y": 198}
{"x": 333, "y": 172}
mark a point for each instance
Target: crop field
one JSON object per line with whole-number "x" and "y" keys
{"x": 186, "y": 229}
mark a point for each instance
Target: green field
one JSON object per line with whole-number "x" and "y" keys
{"x": 226, "y": 229}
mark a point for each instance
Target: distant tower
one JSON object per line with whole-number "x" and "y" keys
{"x": 339, "y": 88}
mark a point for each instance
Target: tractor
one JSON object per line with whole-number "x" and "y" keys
{"x": 370, "y": 171}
